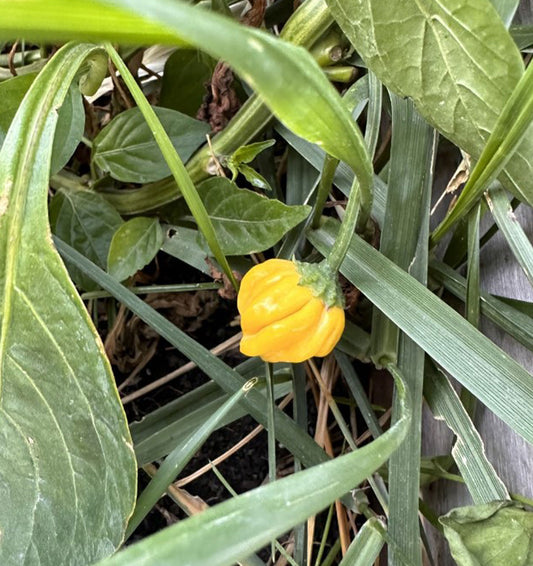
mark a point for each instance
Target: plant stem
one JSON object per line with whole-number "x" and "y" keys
{"x": 174, "y": 163}
{"x": 324, "y": 187}
{"x": 351, "y": 219}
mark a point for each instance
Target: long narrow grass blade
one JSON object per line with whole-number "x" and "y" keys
{"x": 493, "y": 377}
{"x": 178, "y": 459}
{"x": 516, "y": 323}
{"x": 186, "y": 186}
{"x": 288, "y": 433}
{"x": 235, "y": 529}
{"x": 366, "y": 546}
{"x": 468, "y": 451}
{"x": 518, "y": 241}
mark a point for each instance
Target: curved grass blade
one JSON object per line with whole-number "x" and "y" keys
{"x": 492, "y": 376}
{"x": 468, "y": 451}
{"x": 67, "y": 466}
{"x": 242, "y": 525}
{"x": 178, "y": 459}
{"x": 183, "y": 181}
{"x": 518, "y": 241}
{"x": 285, "y": 76}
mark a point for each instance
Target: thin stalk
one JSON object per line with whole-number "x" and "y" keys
{"x": 324, "y": 188}
{"x": 271, "y": 433}
{"x": 175, "y": 164}
{"x": 351, "y": 220}
{"x": 148, "y": 289}
{"x": 325, "y": 533}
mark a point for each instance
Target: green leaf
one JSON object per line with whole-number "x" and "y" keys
{"x": 134, "y": 245}
{"x": 12, "y": 92}
{"x": 290, "y": 81}
{"x": 492, "y": 376}
{"x": 180, "y": 456}
{"x": 496, "y": 533}
{"x": 67, "y": 467}
{"x": 246, "y": 222}
{"x": 126, "y": 147}
{"x": 69, "y": 129}
{"x": 367, "y": 544}
{"x": 185, "y": 74}
{"x": 87, "y": 222}
{"x": 468, "y": 451}
{"x": 247, "y": 153}
{"x": 70, "y": 124}
{"x": 454, "y": 58}
{"x": 253, "y": 177}
{"x": 183, "y": 243}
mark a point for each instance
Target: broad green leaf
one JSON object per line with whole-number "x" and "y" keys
{"x": 42, "y": 20}
{"x": 454, "y": 58}
{"x": 246, "y": 222}
{"x": 134, "y": 245}
{"x": 67, "y": 467}
{"x": 496, "y": 533}
{"x": 492, "y": 376}
{"x": 183, "y": 83}
{"x": 242, "y": 525}
{"x": 127, "y": 149}
{"x": 69, "y": 129}
{"x": 87, "y": 222}
{"x": 70, "y": 124}
{"x": 12, "y": 92}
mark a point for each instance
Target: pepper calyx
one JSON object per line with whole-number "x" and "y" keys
{"x": 323, "y": 282}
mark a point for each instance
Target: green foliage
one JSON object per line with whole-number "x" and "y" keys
{"x": 184, "y": 77}
{"x": 134, "y": 244}
{"x": 128, "y": 174}
{"x": 499, "y": 532}
{"x": 67, "y": 461}
{"x": 244, "y": 221}
{"x": 127, "y": 149}
{"x": 87, "y": 222}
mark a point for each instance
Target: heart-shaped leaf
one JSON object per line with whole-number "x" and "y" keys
{"x": 454, "y": 58}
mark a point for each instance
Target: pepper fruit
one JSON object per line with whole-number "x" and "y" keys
{"x": 290, "y": 311}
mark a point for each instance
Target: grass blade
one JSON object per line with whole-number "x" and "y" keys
{"x": 235, "y": 529}
{"x": 468, "y": 452}
{"x": 518, "y": 241}
{"x": 498, "y": 381}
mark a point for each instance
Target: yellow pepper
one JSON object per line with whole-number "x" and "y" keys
{"x": 290, "y": 311}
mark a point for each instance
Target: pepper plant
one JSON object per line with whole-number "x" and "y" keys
{"x": 349, "y": 111}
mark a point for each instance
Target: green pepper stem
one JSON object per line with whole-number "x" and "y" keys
{"x": 324, "y": 187}
{"x": 352, "y": 219}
